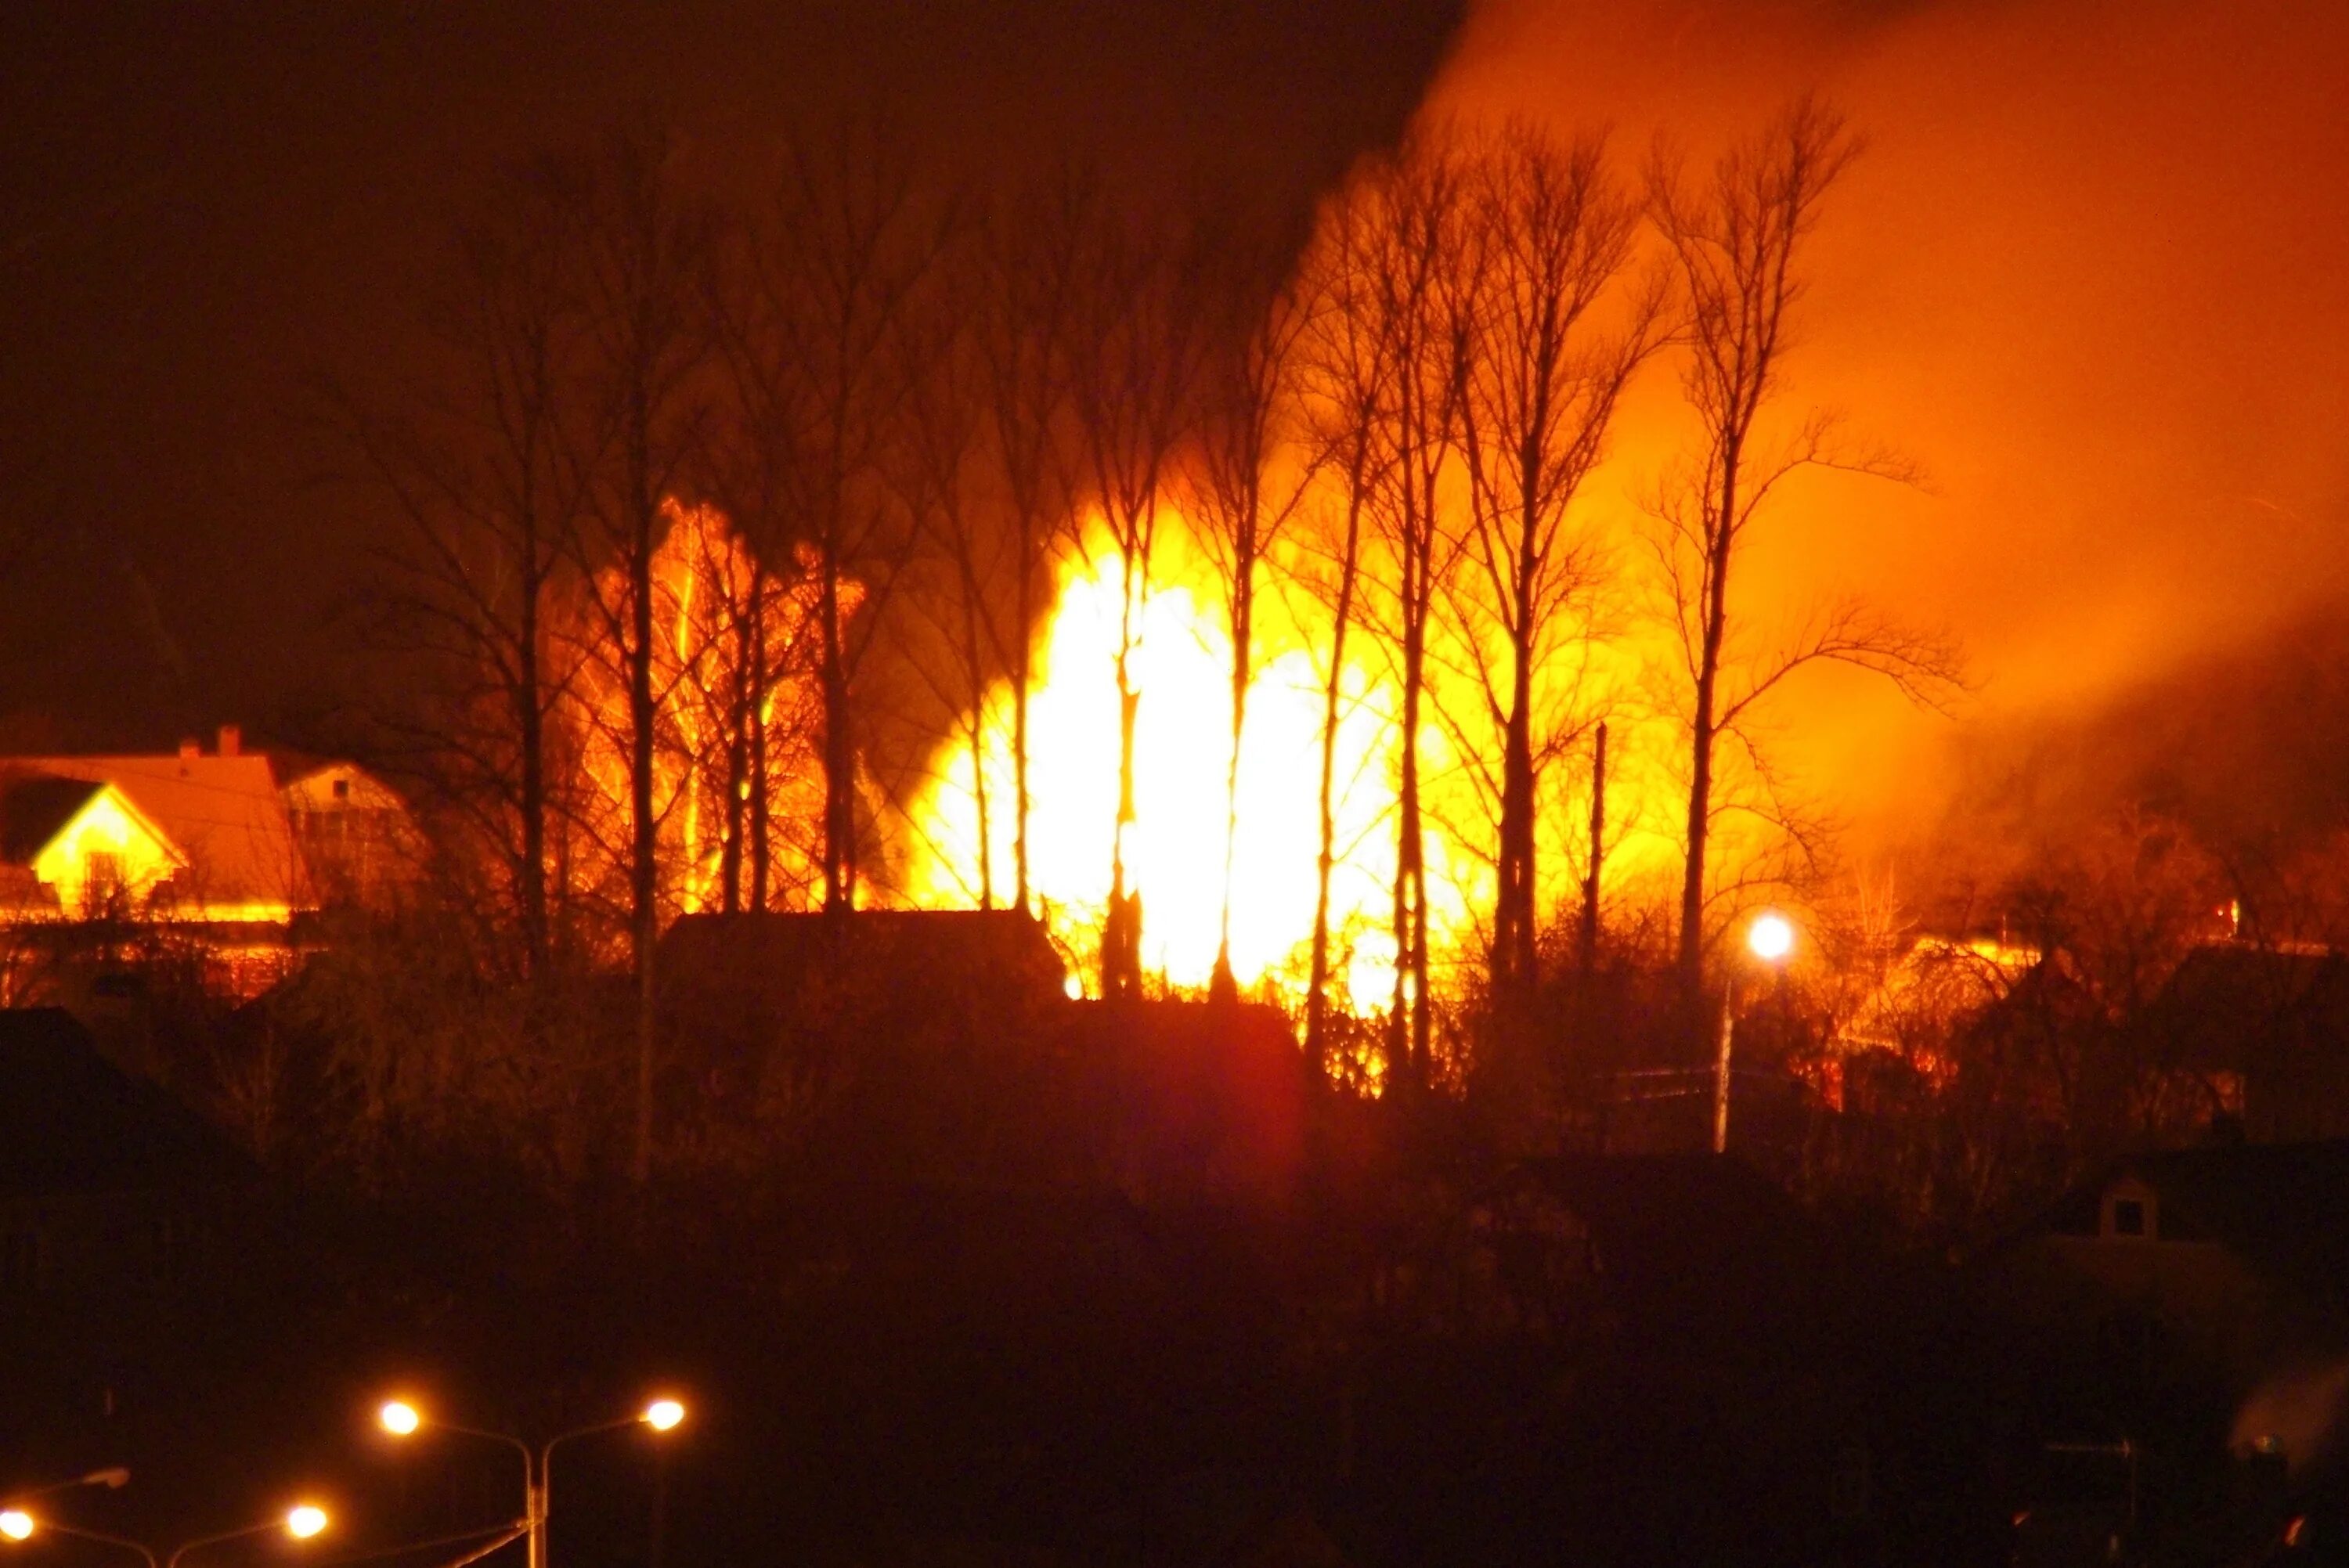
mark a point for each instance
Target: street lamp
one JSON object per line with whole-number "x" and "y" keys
{"x": 1770, "y": 938}
{"x": 17, "y": 1524}
{"x": 301, "y": 1521}
{"x": 403, "y": 1419}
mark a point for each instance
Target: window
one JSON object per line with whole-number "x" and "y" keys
{"x": 342, "y": 788}
{"x": 102, "y": 869}
{"x": 2129, "y": 1216}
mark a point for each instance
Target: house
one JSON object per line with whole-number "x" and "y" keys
{"x": 1749, "y": 1386}
{"x": 357, "y": 842}
{"x": 2258, "y": 1034}
{"x": 128, "y": 1234}
{"x": 110, "y": 1191}
{"x": 190, "y": 838}
{"x": 110, "y": 865}
{"x": 947, "y": 1042}
{"x": 2183, "y": 1280}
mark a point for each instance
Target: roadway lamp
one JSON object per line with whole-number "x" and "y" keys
{"x": 1769, "y": 937}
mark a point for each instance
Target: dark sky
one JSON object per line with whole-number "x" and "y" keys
{"x": 203, "y": 205}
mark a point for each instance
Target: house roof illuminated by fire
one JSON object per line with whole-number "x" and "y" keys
{"x": 186, "y": 838}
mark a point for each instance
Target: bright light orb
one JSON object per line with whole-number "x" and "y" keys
{"x": 1771, "y": 937}
{"x": 17, "y": 1524}
{"x": 306, "y": 1520}
{"x": 663, "y": 1414}
{"x": 399, "y": 1417}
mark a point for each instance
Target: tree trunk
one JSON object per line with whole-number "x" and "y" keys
{"x": 838, "y": 752}
{"x": 1243, "y": 619}
{"x": 1122, "y": 936}
{"x": 1022, "y": 659}
{"x": 530, "y": 713}
{"x": 644, "y": 849}
{"x": 1316, "y": 987}
{"x": 761, "y": 846}
{"x": 1598, "y": 850}
{"x": 1700, "y": 738}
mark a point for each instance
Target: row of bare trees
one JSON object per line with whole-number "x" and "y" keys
{"x": 892, "y": 409}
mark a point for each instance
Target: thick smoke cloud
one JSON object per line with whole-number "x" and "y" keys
{"x": 2090, "y": 275}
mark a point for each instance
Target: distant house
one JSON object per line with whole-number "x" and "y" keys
{"x": 949, "y": 1039}
{"x": 1757, "y": 1387}
{"x": 2260, "y": 1034}
{"x": 110, "y": 1191}
{"x": 187, "y": 838}
{"x": 109, "y": 865}
{"x": 357, "y": 842}
{"x": 786, "y": 965}
{"x": 2185, "y": 1278}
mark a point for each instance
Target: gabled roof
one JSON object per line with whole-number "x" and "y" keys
{"x": 71, "y": 1121}
{"x": 999, "y": 953}
{"x": 2282, "y": 1207}
{"x": 222, "y": 813}
{"x": 34, "y": 809}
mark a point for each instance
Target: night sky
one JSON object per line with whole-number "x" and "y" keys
{"x": 207, "y": 207}
{"x": 2089, "y": 276}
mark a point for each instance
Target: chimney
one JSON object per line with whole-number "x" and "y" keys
{"x": 192, "y": 747}
{"x": 230, "y": 738}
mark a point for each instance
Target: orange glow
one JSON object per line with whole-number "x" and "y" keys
{"x": 662, "y": 1415}
{"x": 17, "y": 1524}
{"x": 705, "y": 578}
{"x": 305, "y": 1520}
{"x": 399, "y": 1417}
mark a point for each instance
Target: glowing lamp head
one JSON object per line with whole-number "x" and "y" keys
{"x": 1073, "y": 987}
{"x": 399, "y": 1417}
{"x": 17, "y": 1524}
{"x": 1771, "y": 937}
{"x": 306, "y": 1520}
{"x": 663, "y": 1414}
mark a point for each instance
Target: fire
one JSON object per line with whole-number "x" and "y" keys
{"x": 1183, "y": 669}
{"x": 708, "y": 588}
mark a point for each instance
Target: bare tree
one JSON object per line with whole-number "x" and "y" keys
{"x": 1734, "y": 240}
{"x": 1545, "y": 377}
{"x": 1423, "y": 285}
{"x": 491, "y": 472}
{"x": 644, "y": 255}
{"x": 1031, "y": 255}
{"x": 969, "y": 590}
{"x": 1342, "y": 368}
{"x": 846, "y": 243}
{"x": 1134, "y": 345}
{"x": 1242, "y": 500}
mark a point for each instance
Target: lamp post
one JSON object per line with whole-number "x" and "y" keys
{"x": 403, "y": 1419}
{"x": 301, "y": 1521}
{"x": 1770, "y": 938}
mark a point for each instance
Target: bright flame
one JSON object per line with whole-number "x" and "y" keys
{"x": 663, "y": 1414}
{"x": 306, "y": 1520}
{"x": 1181, "y": 667}
{"x": 399, "y": 1417}
{"x": 17, "y": 1524}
